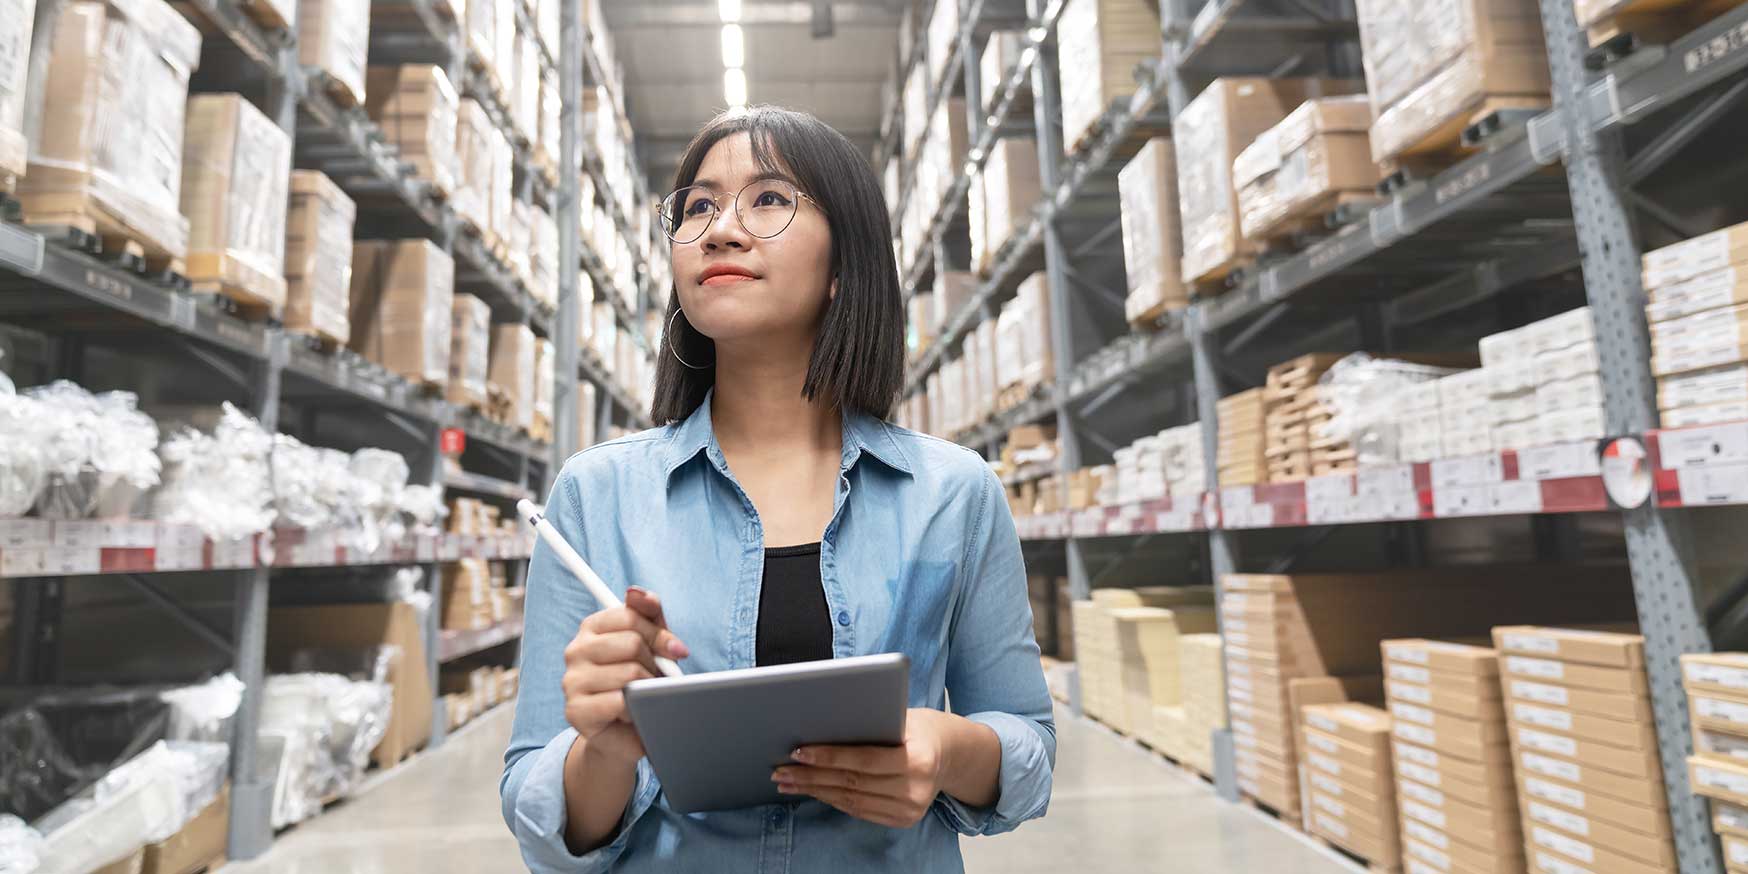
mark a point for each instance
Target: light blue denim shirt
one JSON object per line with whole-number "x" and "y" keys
{"x": 920, "y": 557}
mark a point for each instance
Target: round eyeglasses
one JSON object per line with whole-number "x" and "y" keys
{"x": 764, "y": 207}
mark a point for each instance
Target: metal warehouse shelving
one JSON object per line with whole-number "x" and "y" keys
{"x": 1543, "y": 195}
{"x": 59, "y": 281}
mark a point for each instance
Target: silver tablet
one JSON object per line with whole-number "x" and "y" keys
{"x": 714, "y": 739}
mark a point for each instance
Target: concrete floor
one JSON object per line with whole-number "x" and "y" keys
{"x": 1116, "y": 808}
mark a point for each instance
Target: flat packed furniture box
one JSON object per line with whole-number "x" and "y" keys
{"x": 236, "y": 167}
{"x": 1099, "y": 43}
{"x": 470, "y": 337}
{"x": 318, "y": 258}
{"x": 476, "y": 140}
{"x": 357, "y": 627}
{"x": 1350, "y": 800}
{"x": 1002, "y": 198}
{"x": 1297, "y": 172}
{"x": 1698, "y": 303}
{"x": 334, "y": 37}
{"x": 108, "y": 159}
{"x": 1152, "y": 243}
{"x": 415, "y": 107}
{"x": 1556, "y": 678}
{"x": 1239, "y": 455}
{"x": 1210, "y": 132}
{"x": 15, "y": 46}
{"x": 401, "y": 307}
{"x": 1433, "y": 67}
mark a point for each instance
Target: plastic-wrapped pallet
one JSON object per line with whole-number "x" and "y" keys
{"x": 502, "y": 191}
{"x": 334, "y": 37}
{"x": 543, "y": 388}
{"x": 474, "y": 138}
{"x": 1038, "y": 350}
{"x": 512, "y": 372}
{"x": 1698, "y": 292}
{"x": 415, "y": 107}
{"x": 916, "y": 110}
{"x": 1099, "y": 44}
{"x": 547, "y": 145}
{"x": 943, "y": 30}
{"x": 586, "y": 406}
{"x": 1010, "y": 189}
{"x": 481, "y": 31}
{"x": 525, "y": 88}
{"x": 318, "y": 258}
{"x": 1510, "y": 365}
{"x": 1210, "y": 132}
{"x": 1152, "y": 245}
{"x": 1420, "y": 430}
{"x": 543, "y": 257}
{"x": 14, "y": 69}
{"x": 401, "y": 307}
{"x": 1001, "y": 52}
{"x": 1317, "y": 158}
{"x": 920, "y": 324}
{"x": 235, "y": 169}
{"x": 1431, "y": 67}
{"x": 111, "y": 151}
{"x": 470, "y": 334}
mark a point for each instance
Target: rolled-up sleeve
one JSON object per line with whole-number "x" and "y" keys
{"x": 994, "y": 674}
{"x": 532, "y": 787}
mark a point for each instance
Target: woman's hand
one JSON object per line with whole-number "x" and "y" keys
{"x": 890, "y": 786}
{"x": 611, "y": 649}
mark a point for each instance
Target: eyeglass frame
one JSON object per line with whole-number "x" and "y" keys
{"x": 715, "y": 202}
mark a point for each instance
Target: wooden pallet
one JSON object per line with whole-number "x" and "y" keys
{"x": 1315, "y": 220}
{"x": 1267, "y": 809}
{"x": 1655, "y": 22}
{"x": 1443, "y": 146}
{"x": 257, "y": 294}
{"x": 317, "y": 339}
{"x": 55, "y": 212}
{"x": 342, "y": 94}
{"x": 1355, "y": 858}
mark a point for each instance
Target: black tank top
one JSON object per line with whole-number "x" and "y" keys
{"x": 794, "y": 621}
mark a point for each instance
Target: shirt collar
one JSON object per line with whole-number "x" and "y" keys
{"x": 862, "y": 434}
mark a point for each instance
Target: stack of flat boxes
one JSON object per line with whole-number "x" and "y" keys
{"x": 1351, "y": 801}
{"x": 1419, "y": 424}
{"x": 1544, "y": 382}
{"x": 1240, "y": 453}
{"x": 1159, "y": 717}
{"x": 1140, "y": 471}
{"x": 1329, "y": 454}
{"x": 1097, "y": 643}
{"x": 1204, "y": 682}
{"x": 1465, "y": 425}
{"x": 1594, "y": 735}
{"x": 1717, "y": 700}
{"x": 1262, "y": 653}
{"x": 1453, "y": 767}
{"x": 1509, "y": 363}
{"x": 1288, "y": 397}
{"x": 1180, "y": 448}
{"x": 1698, "y": 309}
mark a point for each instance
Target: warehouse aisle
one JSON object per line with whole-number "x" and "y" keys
{"x": 1116, "y": 809}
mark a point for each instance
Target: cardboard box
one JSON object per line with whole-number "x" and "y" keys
{"x": 1490, "y": 773}
{"x": 1717, "y": 289}
{"x": 1718, "y": 779}
{"x": 1439, "y": 852}
{"x": 1632, "y": 763}
{"x": 199, "y": 843}
{"x": 1099, "y": 44}
{"x": 1700, "y": 255}
{"x": 1640, "y": 736}
{"x": 512, "y": 371}
{"x": 117, "y": 73}
{"x": 1616, "y": 704}
{"x": 1444, "y": 732}
{"x": 470, "y": 332}
{"x": 1591, "y": 778}
{"x": 1003, "y": 197}
{"x": 318, "y": 257}
{"x": 416, "y": 107}
{"x": 235, "y": 176}
{"x": 334, "y": 37}
{"x": 1446, "y": 657}
{"x": 1644, "y": 819}
{"x": 357, "y": 626}
{"x": 402, "y": 306}
{"x": 1716, "y": 744}
{"x": 1362, "y": 791}
{"x": 1376, "y": 842}
{"x": 1446, "y": 700}
{"x": 1497, "y": 790}
{"x": 1657, "y": 850}
{"x": 1358, "y": 767}
{"x": 1479, "y": 826}
{"x": 1364, "y": 729}
{"x": 1574, "y": 676}
{"x": 1152, "y": 244}
{"x": 1729, "y": 819}
{"x": 1715, "y": 672}
{"x": 14, "y": 151}
{"x": 1727, "y": 384}
{"x": 1302, "y": 167}
{"x": 1710, "y": 414}
{"x": 1544, "y": 840}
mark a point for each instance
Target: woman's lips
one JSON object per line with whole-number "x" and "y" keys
{"x": 727, "y": 279}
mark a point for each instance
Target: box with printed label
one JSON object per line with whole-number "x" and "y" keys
{"x": 1465, "y": 686}
{"x": 1279, "y": 794}
{"x": 1735, "y": 853}
{"x": 1438, "y": 799}
{"x": 1378, "y": 820}
{"x": 1720, "y": 744}
{"x": 1421, "y": 856}
{"x": 1690, "y": 258}
{"x": 1258, "y": 764}
{"x": 1637, "y": 817}
{"x": 1476, "y": 825}
{"x": 1353, "y": 765}
{"x": 1442, "y": 656}
{"x": 1380, "y": 848}
{"x": 1715, "y": 290}
{"x": 1715, "y": 385}
{"x": 1627, "y": 735}
{"x": 1603, "y": 835}
{"x": 1729, "y": 819}
{"x": 1278, "y": 748}
{"x": 1575, "y": 676}
{"x": 1631, "y": 763}
{"x": 1366, "y": 728}
{"x": 1375, "y": 795}
{"x": 1718, "y": 779}
{"x": 1606, "y": 648}
{"x": 1491, "y": 774}
{"x": 1590, "y": 778}
{"x": 1716, "y": 672}
{"x": 1447, "y": 700}
{"x": 1719, "y": 712}
{"x": 1453, "y": 734}
{"x": 1544, "y": 839}
{"x": 1615, "y": 704}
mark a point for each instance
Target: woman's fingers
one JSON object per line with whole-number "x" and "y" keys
{"x": 873, "y": 808}
{"x": 616, "y": 647}
{"x": 659, "y": 640}
{"x": 807, "y": 780}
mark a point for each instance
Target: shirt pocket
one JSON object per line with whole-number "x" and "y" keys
{"x": 914, "y": 617}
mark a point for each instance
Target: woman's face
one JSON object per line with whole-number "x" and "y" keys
{"x": 734, "y": 286}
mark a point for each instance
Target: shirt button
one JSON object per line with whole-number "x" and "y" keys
{"x": 843, "y": 617}
{"x": 777, "y": 817}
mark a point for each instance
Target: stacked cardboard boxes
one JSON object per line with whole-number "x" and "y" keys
{"x": 467, "y": 595}
{"x": 482, "y": 188}
{"x": 236, "y": 167}
{"x": 117, "y": 74}
{"x": 1432, "y": 67}
{"x": 1717, "y": 700}
{"x": 1580, "y": 722}
{"x": 1262, "y": 653}
{"x": 1298, "y": 171}
{"x": 1464, "y": 418}
{"x": 318, "y": 258}
{"x": 1002, "y": 198}
{"x": 1290, "y": 402}
{"x": 1543, "y": 383}
{"x": 1351, "y": 800}
{"x": 1099, "y": 44}
{"x": 1152, "y": 244}
{"x": 1204, "y": 683}
{"x": 14, "y": 151}
{"x": 1098, "y": 647}
{"x": 953, "y": 290}
{"x": 1240, "y": 455}
{"x": 415, "y": 106}
{"x": 1147, "y": 645}
{"x": 401, "y": 306}
{"x": 587, "y": 414}
{"x": 1001, "y": 53}
{"x": 1453, "y": 765}
{"x": 1698, "y": 290}
{"x": 333, "y": 36}
{"x": 470, "y": 333}
{"x": 1651, "y": 22}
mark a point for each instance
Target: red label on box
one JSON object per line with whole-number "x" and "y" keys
{"x": 453, "y": 441}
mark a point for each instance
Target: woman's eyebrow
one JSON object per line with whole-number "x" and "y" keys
{"x": 766, "y": 176}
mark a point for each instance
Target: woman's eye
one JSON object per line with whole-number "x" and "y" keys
{"x": 770, "y": 198}
{"x": 698, "y": 206}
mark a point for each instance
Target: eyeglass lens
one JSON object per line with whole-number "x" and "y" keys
{"x": 765, "y": 208}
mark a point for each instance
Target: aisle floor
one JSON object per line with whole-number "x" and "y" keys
{"x": 1116, "y": 808}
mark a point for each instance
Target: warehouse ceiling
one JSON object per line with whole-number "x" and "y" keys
{"x": 672, "y": 52}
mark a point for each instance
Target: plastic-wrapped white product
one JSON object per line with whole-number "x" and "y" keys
{"x": 379, "y": 477}
{"x": 325, "y": 726}
{"x": 14, "y": 52}
{"x": 424, "y": 506}
{"x": 145, "y": 800}
{"x": 21, "y": 847}
{"x": 1366, "y": 398}
{"x": 23, "y": 467}
{"x": 100, "y": 451}
{"x": 334, "y": 36}
{"x": 203, "y": 712}
{"x": 220, "y": 482}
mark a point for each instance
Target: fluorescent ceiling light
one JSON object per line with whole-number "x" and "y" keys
{"x": 734, "y": 86}
{"x": 728, "y": 10}
{"x": 734, "y": 47}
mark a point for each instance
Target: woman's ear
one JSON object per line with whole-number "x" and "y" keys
{"x": 831, "y": 291}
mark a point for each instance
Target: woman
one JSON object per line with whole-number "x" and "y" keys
{"x": 776, "y": 517}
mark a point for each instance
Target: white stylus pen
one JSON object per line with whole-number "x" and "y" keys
{"x": 581, "y": 570}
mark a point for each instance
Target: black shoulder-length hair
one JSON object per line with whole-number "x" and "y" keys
{"x": 858, "y": 357}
